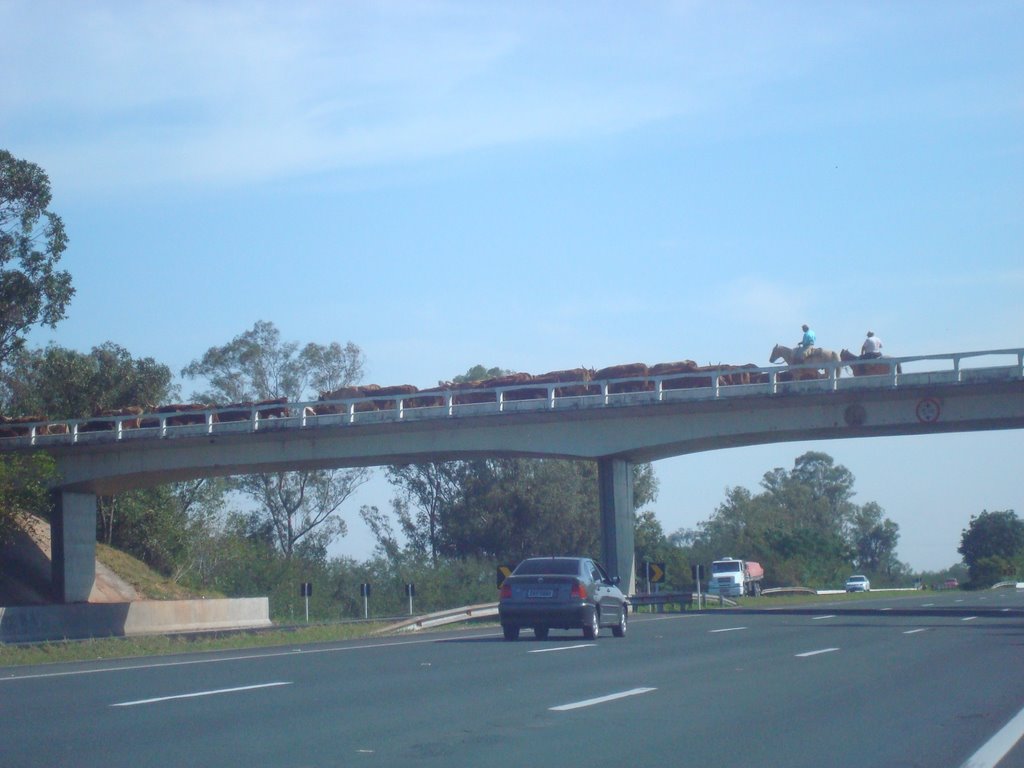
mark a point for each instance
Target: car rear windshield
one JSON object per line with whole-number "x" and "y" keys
{"x": 553, "y": 565}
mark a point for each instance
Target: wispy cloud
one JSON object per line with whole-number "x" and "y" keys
{"x": 127, "y": 94}
{"x": 227, "y": 92}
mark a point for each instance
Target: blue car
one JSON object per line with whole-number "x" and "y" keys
{"x": 545, "y": 593}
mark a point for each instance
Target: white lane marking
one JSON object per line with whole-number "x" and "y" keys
{"x": 829, "y": 616}
{"x": 999, "y": 746}
{"x": 197, "y": 694}
{"x": 601, "y": 699}
{"x": 564, "y": 648}
{"x": 913, "y": 631}
{"x": 241, "y": 657}
{"x": 727, "y": 629}
{"x": 927, "y": 605}
{"x": 815, "y": 653}
{"x": 648, "y": 617}
{"x": 968, "y": 618}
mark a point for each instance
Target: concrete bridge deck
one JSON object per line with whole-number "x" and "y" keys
{"x": 616, "y": 422}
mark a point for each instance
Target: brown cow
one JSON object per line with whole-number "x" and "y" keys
{"x": 18, "y": 426}
{"x": 96, "y": 424}
{"x": 345, "y": 393}
{"x": 520, "y": 382}
{"x": 184, "y": 414}
{"x": 397, "y": 389}
{"x": 626, "y": 371}
{"x": 682, "y": 381}
{"x": 429, "y": 398}
{"x": 273, "y": 408}
{"x": 741, "y": 374}
{"x": 576, "y": 378}
{"x": 468, "y": 392}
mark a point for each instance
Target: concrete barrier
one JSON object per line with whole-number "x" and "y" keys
{"x": 141, "y": 617}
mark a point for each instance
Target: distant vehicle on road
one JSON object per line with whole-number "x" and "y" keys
{"x": 732, "y": 577}
{"x": 858, "y": 583}
{"x": 545, "y": 593}
{"x": 951, "y": 584}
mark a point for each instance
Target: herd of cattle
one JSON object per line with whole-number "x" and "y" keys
{"x": 634, "y": 377}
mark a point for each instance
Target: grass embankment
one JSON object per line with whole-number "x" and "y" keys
{"x": 145, "y": 580}
{"x": 163, "y": 645}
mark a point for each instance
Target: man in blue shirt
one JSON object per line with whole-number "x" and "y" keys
{"x": 806, "y": 344}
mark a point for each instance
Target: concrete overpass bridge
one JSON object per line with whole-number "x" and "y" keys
{"x": 616, "y": 422}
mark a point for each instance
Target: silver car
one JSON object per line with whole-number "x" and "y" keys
{"x": 545, "y": 593}
{"x": 858, "y": 583}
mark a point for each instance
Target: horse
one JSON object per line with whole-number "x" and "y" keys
{"x": 817, "y": 355}
{"x": 871, "y": 367}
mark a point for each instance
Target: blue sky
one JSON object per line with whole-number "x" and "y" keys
{"x": 540, "y": 186}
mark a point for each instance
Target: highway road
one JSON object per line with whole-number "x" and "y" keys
{"x": 931, "y": 679}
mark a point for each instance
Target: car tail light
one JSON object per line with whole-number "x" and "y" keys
{"x": 506, "y": 592}
{"x": 579, "y": 591}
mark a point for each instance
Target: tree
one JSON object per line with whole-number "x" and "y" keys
{"x": 652, "y": 546}
{"x": 496, "y": 508}
{"x": 424, "y": 491}
{"x": 25, "y": 480}
{"x": 992, "y": 546}
{"x": 258, "y": 365}
{"x": 874, "y": 540}
{"x": 803, "y": 526}
{"x": 62, "y": 383}
{"x": 32, "y": 290}
{"x": 480, "y": 373}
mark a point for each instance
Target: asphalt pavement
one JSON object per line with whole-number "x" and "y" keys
{"x": 932, "y": 679}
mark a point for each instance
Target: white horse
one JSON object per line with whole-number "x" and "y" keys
{"x": 817, "y": 355}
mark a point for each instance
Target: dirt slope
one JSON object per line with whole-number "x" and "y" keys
{"x": 25, "y": 572}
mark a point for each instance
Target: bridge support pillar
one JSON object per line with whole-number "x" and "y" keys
{"x": 73, "y": 546}
{"x": 615, "y": 478}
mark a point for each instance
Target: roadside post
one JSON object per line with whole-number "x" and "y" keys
{"x": 364, "y": 590}
{"x": 306, "y": 591}
{"x": 698, "y": 573}
{"x": 410, "y": 592}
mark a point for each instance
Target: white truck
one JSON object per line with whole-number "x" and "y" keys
{"x": 731, "y": 577}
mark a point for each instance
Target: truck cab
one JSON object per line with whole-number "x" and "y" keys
{"x": 732, "y": 577}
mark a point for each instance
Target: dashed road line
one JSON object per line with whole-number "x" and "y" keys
{"x": 601, "y": 699}
{"x": 197, "y": 694}
{"x": 563, "y": 648}
{"x": 816, "y": 653}
{"x": 999, "y": 746}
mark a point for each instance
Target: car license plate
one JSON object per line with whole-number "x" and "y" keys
{"x": 540, "y": 593}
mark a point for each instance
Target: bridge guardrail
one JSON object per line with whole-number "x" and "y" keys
{"x": 711, "y": 383}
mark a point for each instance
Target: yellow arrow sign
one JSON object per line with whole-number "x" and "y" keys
{"x": 504, "y": 571}
{"x": 656, "y": 572}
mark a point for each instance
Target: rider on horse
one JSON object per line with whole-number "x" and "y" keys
{"x": 805, "y": 346}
